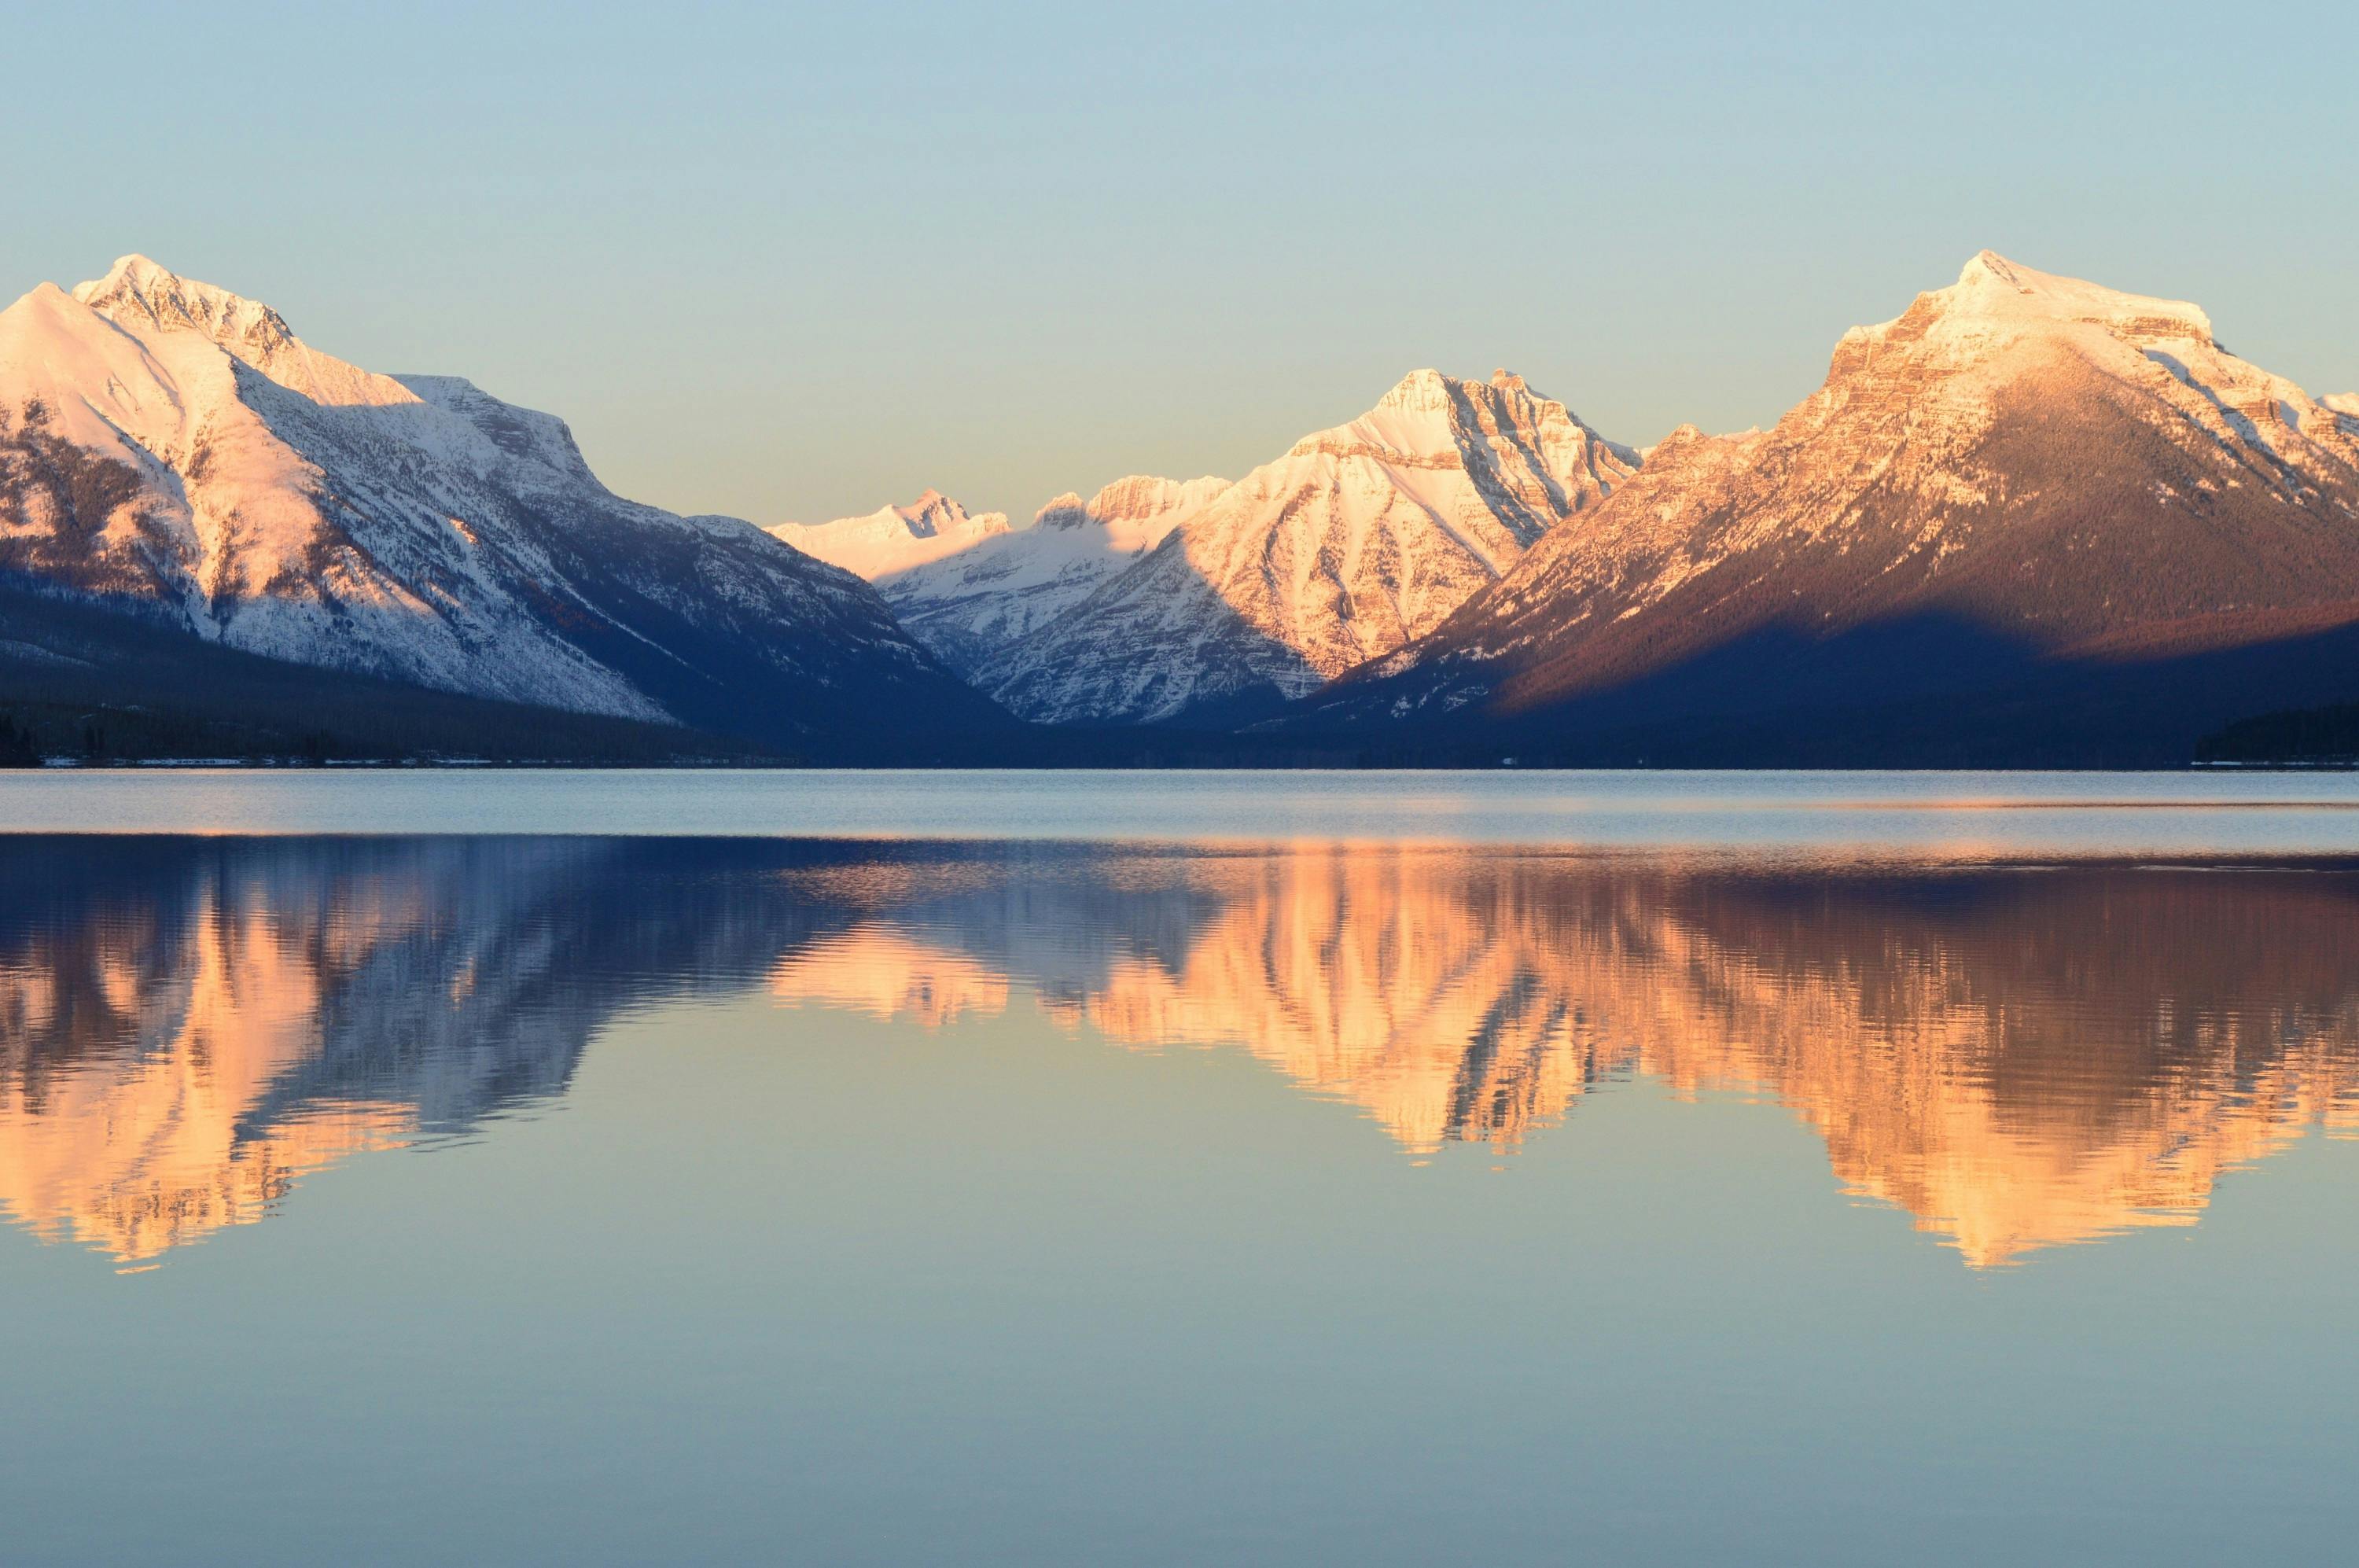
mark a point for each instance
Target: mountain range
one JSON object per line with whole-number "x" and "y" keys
{"x": 2029, "y": 520}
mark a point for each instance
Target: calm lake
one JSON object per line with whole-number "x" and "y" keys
{"x": 1054, "y": 1167}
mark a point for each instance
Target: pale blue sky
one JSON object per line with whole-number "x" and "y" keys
{"x": 792, "y": 262}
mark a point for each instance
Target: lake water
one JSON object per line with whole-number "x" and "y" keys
{"x": 1173, "y": 1168}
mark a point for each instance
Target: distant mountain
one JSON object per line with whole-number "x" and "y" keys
{"x": 1357, "y": 540}
{"x": 172, "y": 451}
{"x": 972, "y": 604}
{"x": 2031, "y": 519}
{"x": 894, "y": 539}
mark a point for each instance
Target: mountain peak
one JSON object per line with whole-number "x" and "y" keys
{"x": 1989, "y": 265}
{"x": 43, "y": 293}
{"x": 893, "y": 539}
{"x": 147, "y": 292}
{"x": 134, "y": 270}
{"x": 1429, "y": 416}
{"x": 1682, "y": 438}
{"x": 1430, "y": 391}
{"x": 933, "y": 515}
{"x": 1992, "y": 286}
{"x": 1426, "y": 388}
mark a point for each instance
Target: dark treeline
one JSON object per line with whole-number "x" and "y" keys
{"x": 2327, "y": 735}
{"x": 88, "y": 683}
{"x": 94, "y": 685}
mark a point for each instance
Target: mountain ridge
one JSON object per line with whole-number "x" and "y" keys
{"x": 969, "y": 604}
{"x": 173, "y": 444}
{"x": 892, "y": 539}
{"x": 1356, "y": 538}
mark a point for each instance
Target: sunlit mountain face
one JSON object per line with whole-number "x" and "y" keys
{"x": 2018, "y": 1057}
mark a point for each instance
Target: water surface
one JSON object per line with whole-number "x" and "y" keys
{"x": 1851, "y": 813}
{"x": 584, "y": 1196}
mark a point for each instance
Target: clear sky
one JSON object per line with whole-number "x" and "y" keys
{"x": 793, "y": 262}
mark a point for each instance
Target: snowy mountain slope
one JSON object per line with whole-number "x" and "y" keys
{"x": 1357, "y": 540}
{"x": 971, "y": 605}
{"x": 2023, "y": 475}
{"x": 172, "y": 448}
{"x": 894, "y": 539}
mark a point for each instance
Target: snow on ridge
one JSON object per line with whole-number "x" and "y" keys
{"x": 1991, "y": 284}
{"x": 1998, "y": 305}
{"x": 1138, "y": 510}
{"x": 972, "y": 603}
{"x": 170, "y": 302}
{"x": 1356, "y": 540}
{"x": 894, "y": 539}
{"x": 148, "y": 298}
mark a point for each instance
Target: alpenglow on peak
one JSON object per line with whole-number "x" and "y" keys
{"x": 1990, "y": 284}
{"x": 148, "y": 290}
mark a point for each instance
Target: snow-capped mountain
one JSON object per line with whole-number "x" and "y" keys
{"x": 2027, "y": 506}
{"x": 970, "y": 607}
{"x": 894, "y": 539}
{"x": 174, "y": 449}
{"x": 1357, "y": 540}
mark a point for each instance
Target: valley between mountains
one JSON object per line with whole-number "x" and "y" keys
{"x": 2028, "y": 521}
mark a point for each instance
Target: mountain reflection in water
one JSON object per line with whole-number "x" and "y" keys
{"x": 2018, "y": 1056}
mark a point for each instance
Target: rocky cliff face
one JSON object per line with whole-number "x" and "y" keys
{"x": 172, "y": 449}
{"x": 2020, "y": 479}
{"x": 1357, "y": 540}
